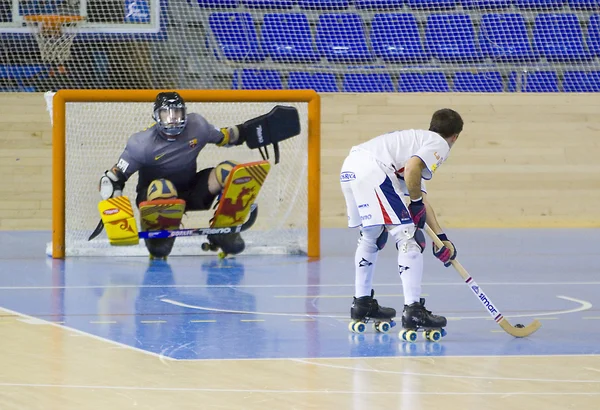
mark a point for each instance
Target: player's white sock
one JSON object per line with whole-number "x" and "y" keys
{"x": 410, "y": 268}
{"x": 364, "y": 263}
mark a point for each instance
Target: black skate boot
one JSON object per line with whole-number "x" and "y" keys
{"x": 416, "y": 317}
{"x": 230, "y": 243}
{"x": 159, "y": 248}
{"x": 365, "y": 308}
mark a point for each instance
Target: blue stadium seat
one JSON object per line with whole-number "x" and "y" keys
{"x": 539, "y": 4}
{"x": 324, "y": 4}
{"x": 584, "y": 4}
{"x": 434, "y": 5}
{"x": 423, "y": 82}
{"x": 533, "y": 82}
{"x": 593, "y": 40}
{"x": 320, "y": 82}
{"x": 236, "y": 36}
{"x": 217, "y": 4}
{"x": 368, "y": 83}
{"x": 250, "y": 79}
{"x": 286, "y": 38}
{"x": 341, "y": 38}
{"x": 559, "y": 37}
{"x": 485, "y": 4}
{"x": 581, "y": 82}
{"x": 268, "y": 4}
{"x": 395, "y": 38}
{"x": 485, "y": 82}
{"x": 379, "y": 4}
{"x": 451, "y": 38}
{"x": 503, "y": 37}
{"x": 21, "y": 76}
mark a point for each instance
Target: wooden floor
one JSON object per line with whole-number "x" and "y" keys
{"x": 62, "y": 369}
{"x": 271, "y": 333}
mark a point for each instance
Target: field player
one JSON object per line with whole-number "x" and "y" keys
{"x": 375, "y": 177}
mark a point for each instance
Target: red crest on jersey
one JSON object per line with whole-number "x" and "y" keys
{"x": 193, "y": 143}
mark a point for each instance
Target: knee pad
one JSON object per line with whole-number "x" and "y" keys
{"x": 373, "y": 237}
{"x": 161, "y": 189}
{"x": 222, "y": 171}
{"x": 408, "y": 238}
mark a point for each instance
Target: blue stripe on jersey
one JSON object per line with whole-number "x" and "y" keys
{"x": 395, "y": 201}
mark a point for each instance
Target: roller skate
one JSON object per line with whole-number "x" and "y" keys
{"x": 416, "y": 317}
{"x": 229, "y": 244}
{"x": 366, "y": 308}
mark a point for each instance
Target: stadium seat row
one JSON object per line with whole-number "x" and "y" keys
{"x": 399, "y": 4}
{"x": 395, "y": 38}
{"x": 540, "y": 81}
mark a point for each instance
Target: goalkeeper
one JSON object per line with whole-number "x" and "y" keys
{"x": 168, "y": 150}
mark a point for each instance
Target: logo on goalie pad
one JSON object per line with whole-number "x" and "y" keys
{"x": 242, "y": 180}
{"x": 111, "y": 211}
{"x": 475, "y": 289}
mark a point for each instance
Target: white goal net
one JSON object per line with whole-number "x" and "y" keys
{"x": 96, "y": 134}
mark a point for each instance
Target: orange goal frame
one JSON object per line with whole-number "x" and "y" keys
{"x": 62, "y": 97}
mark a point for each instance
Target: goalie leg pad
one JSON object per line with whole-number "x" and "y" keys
{"x": 119, "y": 222}
{"x": 161, "y": 214}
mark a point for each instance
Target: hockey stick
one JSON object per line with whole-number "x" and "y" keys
{"x": 484, "y": 299}
{"x": 202, "y": 231}
{"x": 97, "y": 231}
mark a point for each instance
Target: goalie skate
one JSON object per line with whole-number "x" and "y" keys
{"x": 235, "y": 204}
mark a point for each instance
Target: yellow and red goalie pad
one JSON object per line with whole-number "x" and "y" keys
{"x": 241, "y": 189}
{"x": 161, "y": 214}
{"x": 119, "y": 221}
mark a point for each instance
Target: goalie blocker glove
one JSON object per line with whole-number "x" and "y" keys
{"x": 279, "y": 124}
{"x": 112, "y": 183}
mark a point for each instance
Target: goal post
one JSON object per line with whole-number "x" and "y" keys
{"x": 89, "y": 132}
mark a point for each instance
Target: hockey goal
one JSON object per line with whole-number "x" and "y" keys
{"x": 91, "y": 127}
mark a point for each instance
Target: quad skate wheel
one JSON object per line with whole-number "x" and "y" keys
{"x": 357, "y": 327}
{"x": 206, "y": 246}
{"x": 433, "y": 335}
{"x": 382, "y": 327}
{"x": 408, "y": 335}
{"x": 443, "y": 332}
{"x": 222, "y": 255}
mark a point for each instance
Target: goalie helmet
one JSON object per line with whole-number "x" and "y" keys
{"x": 170, "y": 114}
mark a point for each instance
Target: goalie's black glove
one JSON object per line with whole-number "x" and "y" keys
{"x": 279, "y": 124}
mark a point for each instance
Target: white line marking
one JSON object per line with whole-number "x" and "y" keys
{"x": 202, "y": 321}
{"x": 584, "y": 306}
{"x": 452, "y": 376}
{"x": 293, "y": 286}
{"x": 70, "y": 329}
{"x": 208, "y": 390}
{"x": 152, "y": 322}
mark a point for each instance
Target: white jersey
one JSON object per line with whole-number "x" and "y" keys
{"x": 394, "y": 149}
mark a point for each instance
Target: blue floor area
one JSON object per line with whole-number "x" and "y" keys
{"x": 290, "y": 307}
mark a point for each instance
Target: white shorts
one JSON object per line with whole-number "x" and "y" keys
{"x": 373, "y": 193}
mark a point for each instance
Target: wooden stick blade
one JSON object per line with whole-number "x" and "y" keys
{"x": 519, "y": 331}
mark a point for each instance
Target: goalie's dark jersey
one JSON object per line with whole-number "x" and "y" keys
{"x": 150, "y": 154}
